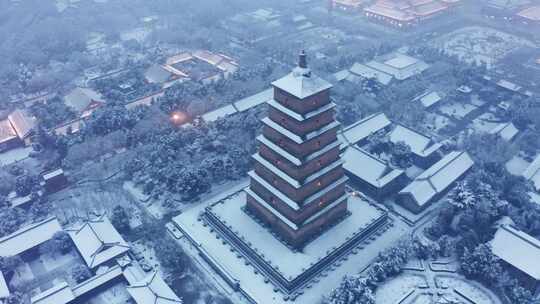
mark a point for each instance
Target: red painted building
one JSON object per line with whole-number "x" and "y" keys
{"x": 298, "y": 183}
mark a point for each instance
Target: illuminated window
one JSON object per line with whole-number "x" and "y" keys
{"x": 321, "y": 203}
{"x": 319, "y": 183}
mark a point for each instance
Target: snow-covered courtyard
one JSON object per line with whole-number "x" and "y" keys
{"x": 477, "y": 44}
{"x": 434, "y": 282}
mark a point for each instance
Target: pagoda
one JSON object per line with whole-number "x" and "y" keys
{"x": 297, "y": 186}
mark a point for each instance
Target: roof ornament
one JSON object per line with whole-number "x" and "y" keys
{"x": 302, "y": 69}
{"x": 302, "y": 60}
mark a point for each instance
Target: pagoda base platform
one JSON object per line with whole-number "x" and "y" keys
{"x": 290, "y": 270}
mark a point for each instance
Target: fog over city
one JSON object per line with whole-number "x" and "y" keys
{"x": 270, "y": 152}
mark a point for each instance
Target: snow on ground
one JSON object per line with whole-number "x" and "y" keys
{"x": 478, "y": 294}
{"x": 138, "y": 34}
{"x": 457, "y": 110}
{"x": 116, "y": 294}
{"x": 475, "y": 100}
{"x": 395, "y": 289}
{"x": 292, "y": 264}
{"x": 436, "y": 122}
{"x": 253, "y": 283}
{"x": 14, "y": 155}
{"x": 433, "y": 284}
{"x": 517, "y": 165}
{"x": 477, "y": 44}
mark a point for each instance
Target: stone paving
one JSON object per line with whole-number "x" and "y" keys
{"x": 433, "y": 282}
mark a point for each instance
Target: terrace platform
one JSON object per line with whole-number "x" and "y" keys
{"x": 289, "y": 271}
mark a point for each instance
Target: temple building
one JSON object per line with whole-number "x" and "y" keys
{"x": 298, "y": 183}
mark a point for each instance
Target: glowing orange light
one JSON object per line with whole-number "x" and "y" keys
{"x": 178, "y": 117}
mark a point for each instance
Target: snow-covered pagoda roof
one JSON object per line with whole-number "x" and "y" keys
{"x": 98, "y": 241}
{"x": 153, "y": 290}
{"x": 301, "y": 82}
{"x": 518, "y": 249}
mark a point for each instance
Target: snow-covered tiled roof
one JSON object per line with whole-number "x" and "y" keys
{"x": 153, "y": 290}
{"x": 22, "y": 123}
{"x": 219, "y": 113}
{"x": 420, "y": 144}
{"x": 428, "y": 99}
{"x": 59, "y": 294}
{"x": 98, "y": 241}
{"x": 532, "y": 173}
{"x": 518, "y": 249}
{"x": 506, "y": 131}
{"x": 29, "y": 237}
{"x": 439, "y": 177}
{"x": 365, "y": 127}
{"x": 368, "y": 72}
{"x": 368, "y": 168}
{"x": 4, "y": 289}
{"x": 79, "y": 99}
{"x": 254, "y": 100}
{"x": 7, "y": 132}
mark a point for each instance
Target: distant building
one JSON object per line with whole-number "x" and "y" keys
{"x": 385, "y": 69}
{"x": 428, "y": 99}
{"x": 530, "y": 15}
{"x": 349, "y": 5}
{"x": 83, "y": 101}
{"x": 16, "y": 130}
{"x": 435, "y": 182}
{"x": 521, "y": 252}
{"x": 202, "y": 66}
{"x": 403, "y": 14}
{"x": 29, "y": 237}
{"x": 158, "y": 74}
{"x": 8, "y": 136}
{"x": 358, "y": 132}
{"x": 425, "y": 151}
{"x": 54, "y": 181}
{"x": 506, "y": 131}
{"x": 508, "y": 86}
{"x": 371, "y": 175}
{"x": 532, "y": 173}
{"x": 98, "y": 242}
{"x": 504, "y": 8}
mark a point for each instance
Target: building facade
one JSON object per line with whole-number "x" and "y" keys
{"x": 298, "y": 183}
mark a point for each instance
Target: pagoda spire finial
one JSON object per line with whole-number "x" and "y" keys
{"x": 302, "y": 60}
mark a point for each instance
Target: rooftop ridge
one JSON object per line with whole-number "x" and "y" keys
{"x": 514, "y": 231}
{"x": 26, "y": 228}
